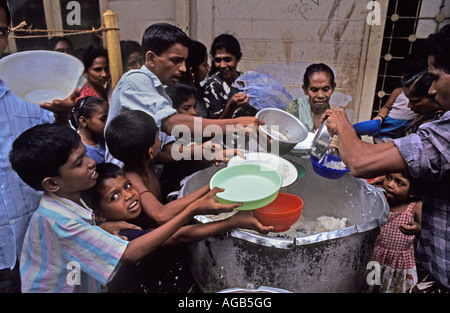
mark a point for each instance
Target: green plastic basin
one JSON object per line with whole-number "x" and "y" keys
{"x": 253, "y": 185}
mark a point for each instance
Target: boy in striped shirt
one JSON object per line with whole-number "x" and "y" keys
{"x": 63, "y": 250}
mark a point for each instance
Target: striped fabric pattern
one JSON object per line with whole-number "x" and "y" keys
{"x": 64, "y": 252}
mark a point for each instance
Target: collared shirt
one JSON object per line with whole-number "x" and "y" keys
{"x": 427, "y": 154}
{"x": 18, "y": 201}
{"x": 64, "y": 251}
{"x": 140, "y": 90}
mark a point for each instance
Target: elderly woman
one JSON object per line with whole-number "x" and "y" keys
{"x": 318, "y": 86}
{"x": 221, "y": 96}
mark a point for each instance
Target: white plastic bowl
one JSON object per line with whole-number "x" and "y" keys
{"x": 286, "y": 169}
{"x": 41, "y": 76}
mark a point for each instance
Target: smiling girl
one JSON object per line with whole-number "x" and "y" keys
{"x": 222, "y": 98}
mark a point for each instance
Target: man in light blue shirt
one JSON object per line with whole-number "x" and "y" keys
{"x": 141, "y": 90}
{"x": 166, "y": 48}
{"x": 18, "y": 201}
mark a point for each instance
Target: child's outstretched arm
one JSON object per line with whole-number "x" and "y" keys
{"x": 115, "y": 227}
{"x": 158, "y": 212}
{"x": 215, "y": 153}
{"x": 147, "y": 243}
{"x": 197, "y": 232}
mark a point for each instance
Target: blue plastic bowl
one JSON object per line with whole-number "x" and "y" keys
{"x": 326, "y": 171}
{"x": 367, "y": 127}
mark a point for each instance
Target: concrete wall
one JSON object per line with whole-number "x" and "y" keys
{"x": 136, "y": 15}
{"x": 285, "y": 34}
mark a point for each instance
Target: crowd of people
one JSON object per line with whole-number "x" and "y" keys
{"x": 72, "y": 131}
{"x": 85, "y": 179}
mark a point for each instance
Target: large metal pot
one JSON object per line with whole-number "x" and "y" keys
{"x": 333, "y": 261}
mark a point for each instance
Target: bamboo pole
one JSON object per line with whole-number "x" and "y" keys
{"x": 113, "y": 46}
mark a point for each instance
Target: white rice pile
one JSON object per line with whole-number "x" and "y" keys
{"x": 334, "y": 165}
{"x": 306, "y": 227}
{"x": 303, "y": 227}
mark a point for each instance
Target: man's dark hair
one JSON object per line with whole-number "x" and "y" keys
{"x": 40, "y": 151}
{"x": 415, "y": 74}
{"x": 438, "y": 44}
{"x": 130, "y": 135}
{"x": 161, "y": 36}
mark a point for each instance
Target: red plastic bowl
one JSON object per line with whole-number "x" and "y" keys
{"x": 282, "y": 213}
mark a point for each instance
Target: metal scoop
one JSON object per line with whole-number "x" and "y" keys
{"x": 321, "y": 142}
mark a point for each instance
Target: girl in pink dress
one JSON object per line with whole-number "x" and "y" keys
{"x": 394, "y": 246}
